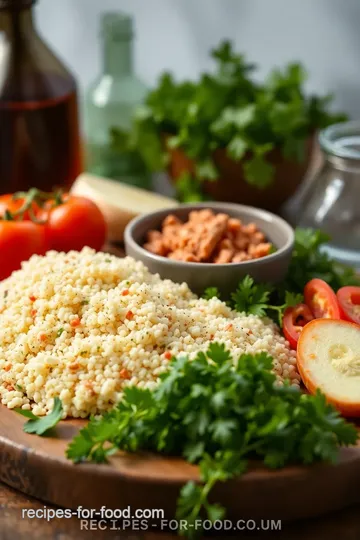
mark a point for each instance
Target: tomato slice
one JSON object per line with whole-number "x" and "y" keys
{"x": 349, "y": 301}
{"x": 321, "y": 300}
{"x": 295, "y": 318}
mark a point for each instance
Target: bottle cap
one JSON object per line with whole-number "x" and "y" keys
{"x": 117, "y": 25}
{"x": 16, "y": 4}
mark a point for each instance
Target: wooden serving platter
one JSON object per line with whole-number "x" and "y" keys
{"x": 37, "y": 466}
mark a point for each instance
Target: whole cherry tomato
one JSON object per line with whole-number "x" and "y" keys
{"x": 295, "y": 318}
{"x": 75, "y": 223}
{"x": 321, "y": 300}
{"x": 19, "y": 240}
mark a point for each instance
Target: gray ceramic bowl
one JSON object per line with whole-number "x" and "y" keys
{"x": 198, "y": 276}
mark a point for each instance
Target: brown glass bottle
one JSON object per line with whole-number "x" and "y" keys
{"x": 39, "y": 125}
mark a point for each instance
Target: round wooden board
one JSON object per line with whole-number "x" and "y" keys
{"x": 38, "y": 467}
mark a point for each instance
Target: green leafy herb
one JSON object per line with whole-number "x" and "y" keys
{"x": 211, "y": 292}
{"x": 251, "y": 298}
{"x": 255, "y": 300}
{"x": 217, "y": 413}
{"x": 41, "y": 425}
{"x": 309, "y": 261}
{"x": 60, "y": 331}
{"x": 229, "y": 109}
{"x": 19, "y": 387}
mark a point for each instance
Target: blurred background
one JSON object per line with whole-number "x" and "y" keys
{"x": 177, "y": 35}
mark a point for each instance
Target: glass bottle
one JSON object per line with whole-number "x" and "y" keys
{"x": 110, "y": 104}
{"x": 39, "y": 126}
{"x": 332, "y": 199}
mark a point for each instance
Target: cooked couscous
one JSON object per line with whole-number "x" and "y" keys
{"x": 82, "y": 325}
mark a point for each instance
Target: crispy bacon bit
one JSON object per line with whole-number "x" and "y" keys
{"x": 124, "y": 374}
{"x": 125, "y": 292}
{"x": 43, "y": 337}
{"x": 168, "y": 355}
{"x": 32, "y": 298}
{"x": 207, "y": 237}
{"x": 75, "y": 322}
{"x": 8, "y": 367}
{"x": 10, "y": 388}
{"x": 33, "y": 312}
{"x": 229, "y": 326}
{"x": 129, "y": 315}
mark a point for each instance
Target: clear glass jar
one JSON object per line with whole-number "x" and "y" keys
{"x": 332, "y": 200}
{"x": 110, "y": 104}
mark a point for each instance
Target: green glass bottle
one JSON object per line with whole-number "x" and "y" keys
{"x": 110, "y": 104}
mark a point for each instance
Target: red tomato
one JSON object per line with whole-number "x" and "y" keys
{"x": 7, "y": 202}
{"x": 76, "y": 223}
{"x": 321, "y": 300}
{"x": 18, "y": 241}
{"x": 349, "y": 301}
{"x": 295, "y": 318}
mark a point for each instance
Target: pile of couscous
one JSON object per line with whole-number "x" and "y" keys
{"x": 82, "y": 325}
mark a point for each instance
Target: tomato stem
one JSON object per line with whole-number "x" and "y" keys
{"x": 33, "y": 196}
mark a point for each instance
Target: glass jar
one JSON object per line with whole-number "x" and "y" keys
{"x": 332, "y": 200}
{"x": 110, "y": 104}
{"x": 39, "y": 126}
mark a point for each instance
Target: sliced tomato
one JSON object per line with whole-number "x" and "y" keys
{"x": 349, "y": 302}
{"x": 321, "y": 300}
{"x": 295, "y": 318}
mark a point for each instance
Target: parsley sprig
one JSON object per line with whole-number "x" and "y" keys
{"x": 217, "y": 413}
{"x": 41, "y": 425}
{"x": 255, "y": 299}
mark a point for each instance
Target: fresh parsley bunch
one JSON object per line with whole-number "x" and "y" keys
{"x": 228, "y": 109}
{"x": 217, "y": 413}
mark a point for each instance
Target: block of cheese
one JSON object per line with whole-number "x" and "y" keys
{"x": 119, "y": 202}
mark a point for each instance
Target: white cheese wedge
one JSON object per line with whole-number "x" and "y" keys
{"x": 119, "y": 202}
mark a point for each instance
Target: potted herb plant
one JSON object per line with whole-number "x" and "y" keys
{"x": 229, "y": 137}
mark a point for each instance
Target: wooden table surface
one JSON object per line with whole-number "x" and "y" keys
{"x": 344, "y": 524}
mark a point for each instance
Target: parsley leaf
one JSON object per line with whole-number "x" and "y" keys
{"x": 211, "y": 292}
{"x": 251, "y": 298}
{"x": 259, "y": 172}
{"x": 41, "y": 425}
